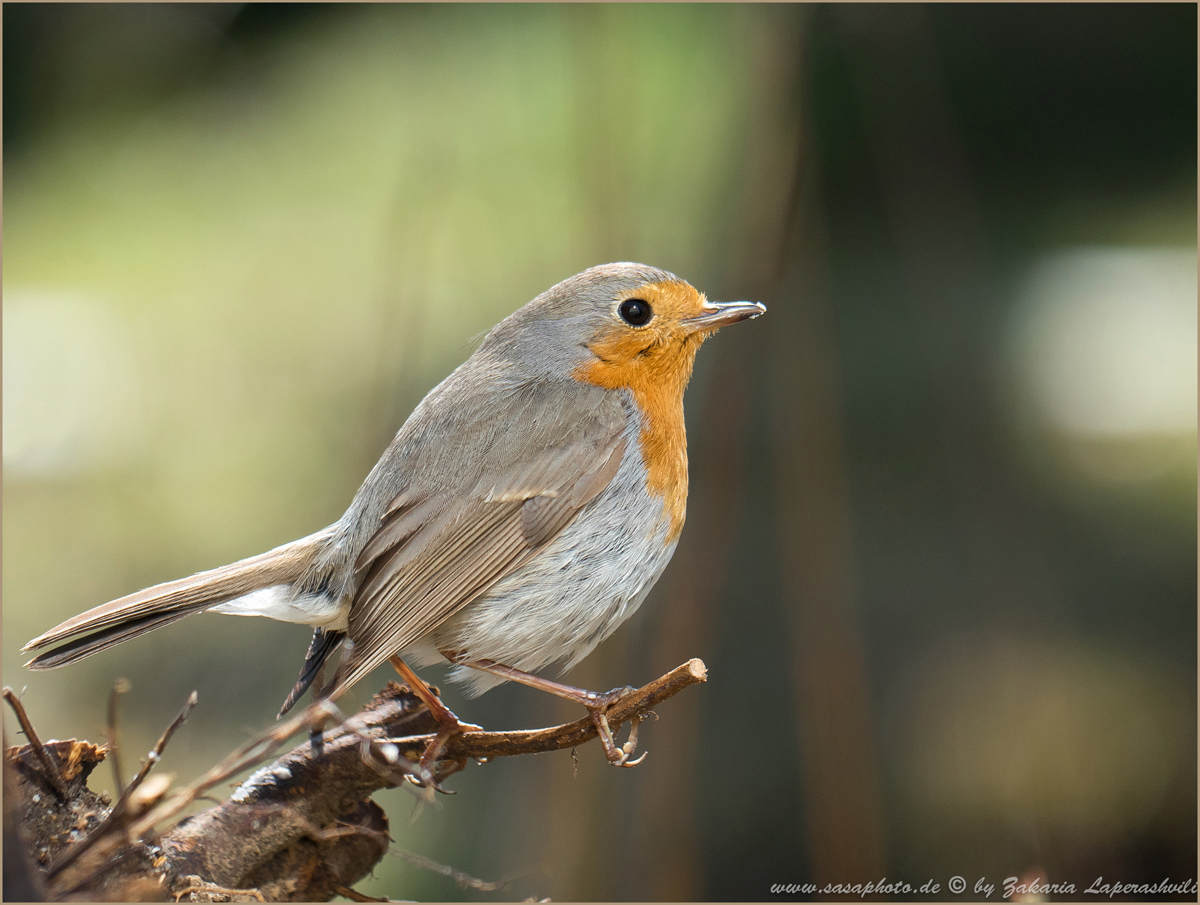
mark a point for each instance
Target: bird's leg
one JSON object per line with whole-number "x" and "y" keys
{"x": 449, "y": 724}
{"x": 597, "y": 706}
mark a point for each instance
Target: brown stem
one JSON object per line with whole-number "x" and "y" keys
{"x": 119, "y": 688}
{"x": 56, "y": 780}
{"x": 536, "y": 741}
{"x": 153, "y": 757}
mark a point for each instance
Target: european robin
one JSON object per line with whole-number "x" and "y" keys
{"x": 520, "y": 515}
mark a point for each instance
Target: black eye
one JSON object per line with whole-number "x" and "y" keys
{"x": 636, "y": 312}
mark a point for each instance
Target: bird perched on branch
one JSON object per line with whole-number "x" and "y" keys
{"x": 520, "y": 515}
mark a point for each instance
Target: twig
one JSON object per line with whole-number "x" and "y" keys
{"x": 464, "y": 881}
{"x": 486, "y": 745}
{"x": 56, "y": 780}
{"x": 359, "y": 757}
{"x": 253, "y": 752}
{"x": 216, "y": 890}
{"x": 120, "y": 687}
{"x": 156, "y": 752}
{"x": 535, "y": 741}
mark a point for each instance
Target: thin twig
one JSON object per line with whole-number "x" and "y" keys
{"x": 56, "y": 780}
{"x": 464, "y": 880}
{"x": 218, "y": 891}
{"x": 467, "y": 745}
{"x": 535, "y": 741}
{"x": 253, "y": 752}
{"x": 120, "y": 687}
{"x": 156, "y": 752}
{"x": 634, "y": 706}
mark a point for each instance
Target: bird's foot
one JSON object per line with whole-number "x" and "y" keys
{"x": 449, "y": 725}
{"x": 598, "y": 706}
{"x": 422, "y": 774}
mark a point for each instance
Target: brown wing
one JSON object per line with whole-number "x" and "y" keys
{"x": 429, "y": 559}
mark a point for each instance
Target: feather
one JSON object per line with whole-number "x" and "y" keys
{"x": 410, "y": 588}
{"x": 135, "y": 614}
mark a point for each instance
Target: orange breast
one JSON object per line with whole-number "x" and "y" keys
{"x": 655, "y": 363}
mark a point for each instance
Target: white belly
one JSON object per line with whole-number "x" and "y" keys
{"x": 561, "y": 604}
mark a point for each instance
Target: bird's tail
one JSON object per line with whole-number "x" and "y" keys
{"x": 127, "y": 617}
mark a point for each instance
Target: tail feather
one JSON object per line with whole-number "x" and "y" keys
{"x": 324, "y": 642}
{"x": 135, "y": 614}
{"x": 79, "y": 648}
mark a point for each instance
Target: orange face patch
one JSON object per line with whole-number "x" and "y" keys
{"x": 654, "y": 363}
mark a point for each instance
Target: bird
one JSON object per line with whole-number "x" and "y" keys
{"x": 519, "y": 516}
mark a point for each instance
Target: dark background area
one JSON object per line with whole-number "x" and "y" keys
{"x": 940, "y": 551}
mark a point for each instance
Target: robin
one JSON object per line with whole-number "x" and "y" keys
{"x": 520, "y": 515}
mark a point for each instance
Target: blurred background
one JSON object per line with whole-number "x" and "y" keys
{"x": 940, "y": 556}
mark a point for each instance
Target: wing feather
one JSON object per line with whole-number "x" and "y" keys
{"x": 399, "y": 524}
{"x": 431, "y": 558}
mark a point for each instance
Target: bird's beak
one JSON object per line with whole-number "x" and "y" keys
{"x": 715, "y": 315}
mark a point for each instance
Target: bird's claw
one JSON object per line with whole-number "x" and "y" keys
{"x": 618, "y": 756}
{"x": 423, "y": 779}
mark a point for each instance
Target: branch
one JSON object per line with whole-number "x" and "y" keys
{"x": 302, "y": 827}
{"x": 636, "y": 704}
{"x": 279, "y": 804}
{"x": 156, "y": 753}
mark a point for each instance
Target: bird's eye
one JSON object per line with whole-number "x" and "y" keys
{"x": 636, "y": 312}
